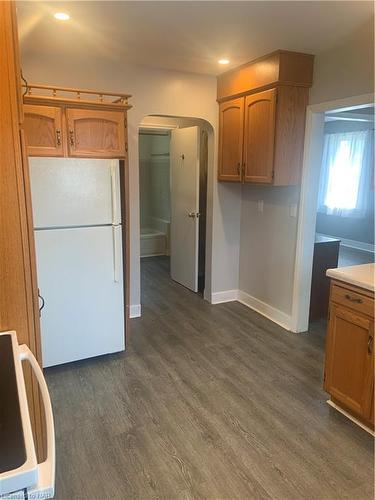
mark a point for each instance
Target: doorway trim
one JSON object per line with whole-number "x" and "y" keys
{"x": 206, "y": 125}
{"x": 313, "y": 149}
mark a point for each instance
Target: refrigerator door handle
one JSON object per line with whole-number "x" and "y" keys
{"x": 114, "y": 192}
{"x": 116, "y": 252}
{"x": 42, "y": 305}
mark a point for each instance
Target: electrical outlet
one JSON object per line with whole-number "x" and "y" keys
{"x": 260, "y": 206}
{"x": 293, "y": 210}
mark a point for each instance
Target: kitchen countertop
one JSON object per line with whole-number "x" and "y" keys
{"x": 362, "y": 276}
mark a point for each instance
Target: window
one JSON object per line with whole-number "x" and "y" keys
{"x": 346, "y": 174}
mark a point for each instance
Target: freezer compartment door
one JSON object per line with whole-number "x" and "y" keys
{"x": 70, "y": 192}
{"x": 80, "y": 276}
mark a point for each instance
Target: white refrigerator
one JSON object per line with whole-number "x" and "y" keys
{"x": 78, "y": 238}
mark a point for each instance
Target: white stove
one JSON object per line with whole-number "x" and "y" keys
{"x": 20, "y": 474}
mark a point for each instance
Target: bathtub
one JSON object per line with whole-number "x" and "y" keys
{"x": 153, "y": 242}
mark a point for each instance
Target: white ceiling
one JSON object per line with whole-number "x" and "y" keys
{"x": 187, "y": 36}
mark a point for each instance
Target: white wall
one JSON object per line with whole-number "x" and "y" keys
{"x": 158, "y": 92}
{"x": 346, "y": 70}
{"x": 268, "y": 241}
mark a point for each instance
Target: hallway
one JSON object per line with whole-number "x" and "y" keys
{"x": 208, "y": 402}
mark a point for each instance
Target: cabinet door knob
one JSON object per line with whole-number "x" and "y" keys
{"x": 71, "y": 137}
{"x": 369, "y": 344}
{"x": 58, "y": 137}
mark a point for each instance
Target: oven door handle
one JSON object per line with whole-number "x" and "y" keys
{"x": 46, "y": 469}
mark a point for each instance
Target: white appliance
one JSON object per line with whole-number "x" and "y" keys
{"x": 20, "y": 474}
{"x": 78, "y": 238}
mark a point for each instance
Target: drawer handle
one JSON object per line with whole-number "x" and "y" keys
{"x": 369, "y": 344}
{"x": 58, "y": 137}
{"x": 353, "y": 299}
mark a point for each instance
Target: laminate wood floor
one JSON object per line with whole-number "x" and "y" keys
{"x": 353, "y": 256}
{"x": 208, "y": 402}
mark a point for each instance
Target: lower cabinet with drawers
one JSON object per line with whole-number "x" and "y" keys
{"x": 349, "y": 365}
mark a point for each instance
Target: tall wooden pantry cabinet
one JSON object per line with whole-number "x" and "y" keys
{"x": 18, "y": 285}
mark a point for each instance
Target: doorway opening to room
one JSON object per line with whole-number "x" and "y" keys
{"x": 173, "y": 170}
{"x": 336, "y": 224}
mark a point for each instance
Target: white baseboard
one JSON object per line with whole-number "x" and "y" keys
{"x": 270, "y": 312}
{"x": 226, "y": 296}
{"x": 358, "y": 245}
{"x": 135, "y": 311}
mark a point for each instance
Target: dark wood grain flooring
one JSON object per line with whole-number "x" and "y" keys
{"x": 353, "y": 257}
{"x": 210, "y": 402}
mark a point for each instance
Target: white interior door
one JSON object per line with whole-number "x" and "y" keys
{"x": 184, "y": 161}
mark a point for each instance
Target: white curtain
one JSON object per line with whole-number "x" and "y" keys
{"x": 346, "y": 176}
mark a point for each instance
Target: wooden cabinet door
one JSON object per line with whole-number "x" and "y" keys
{"x": 43, "y": 130}
{"x": 230, "y": 140}
{"x": 349, "y": 375}
{"x": 259, "y": 136}
{"x": 96, "y": 134}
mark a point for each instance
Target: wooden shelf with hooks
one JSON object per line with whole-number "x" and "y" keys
{"x": 79, "y": 98}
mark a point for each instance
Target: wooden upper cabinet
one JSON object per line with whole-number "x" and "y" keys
{"x": 259, "y": 137}
{"x": 273, "y": 91}
{"x": 231, "y": 140}
{"x": 43, "y": 130}
{"x": 349, "y": 376}
{"x": 95, "y": 133}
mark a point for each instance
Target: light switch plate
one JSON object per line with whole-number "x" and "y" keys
{"x": 293, "y": 208}
{"x": 260, "y": 206}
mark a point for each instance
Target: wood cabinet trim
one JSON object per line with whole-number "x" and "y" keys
{"x": 289, "y": 134}
{"x": 277, "y": 68}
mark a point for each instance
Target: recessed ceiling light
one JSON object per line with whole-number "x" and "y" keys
{"x": 61, "y": 16}
{"x": 223, "y": 61}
